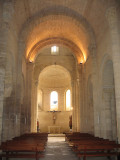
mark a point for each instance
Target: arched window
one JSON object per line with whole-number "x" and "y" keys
{"x": 54, "y": 101}
{"x": 68, "y": 100}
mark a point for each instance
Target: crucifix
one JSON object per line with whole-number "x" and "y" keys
{"x": 54, "y": 115}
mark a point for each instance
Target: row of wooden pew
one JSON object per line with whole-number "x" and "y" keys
{"x": 86, "y": 145}
{"x": 29, "y": 145}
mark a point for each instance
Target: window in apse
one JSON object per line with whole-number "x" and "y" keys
{"x": 68, "y": 100}
{"x": 54, "y": 101}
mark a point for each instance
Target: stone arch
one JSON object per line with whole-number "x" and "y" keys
{"x": 54, "y": 11}
{"x": 57, "y": 41}
{"x": 108, "y": 91}
{"x": 45, "y": 67}
{"x": 59, "y": 66}
{"x": 57, "y": 10}
{"x": 47, "y": 89}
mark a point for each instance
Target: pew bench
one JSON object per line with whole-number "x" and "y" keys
{"x": 97, "y": 150}
{"x": 29, "y": 151}
{"x": 77, "y": 143}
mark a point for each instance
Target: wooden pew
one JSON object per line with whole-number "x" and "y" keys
{"x": 77, "y": 135}
{"x": 97, "y": 150}
{"x": 90, "y": 141}
{"x": 29, "y": 151}
{"x": 87, "y": 145}
{"x": 25, "y": 146}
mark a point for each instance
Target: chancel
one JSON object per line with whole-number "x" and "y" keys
{"x": 54, "y": 115}
{"x": 60, "y": 66}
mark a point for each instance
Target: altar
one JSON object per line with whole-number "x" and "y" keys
{"x": 54, "y": 129}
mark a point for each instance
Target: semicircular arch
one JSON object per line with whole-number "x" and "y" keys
{"x": 75, "y": 28}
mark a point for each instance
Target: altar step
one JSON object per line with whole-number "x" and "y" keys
{"x": 56, "y": 135}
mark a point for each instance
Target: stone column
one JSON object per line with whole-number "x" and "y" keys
{"x": 30, "y": 97}
{"x": 79, "y": 94}
{"x": 80, "y": 98}
{"x": 107, "y": 110}
{"x": 2, "y": 76}
{"x": 4, "y": 37}
{"x": 74, "y": 127}
{"x": 34, "y": 105}
{"x": 92, "y": 50}
{"x": 111, "y": 15}
{"x": 113, "y": 115}
{"x": 78, "y": 103}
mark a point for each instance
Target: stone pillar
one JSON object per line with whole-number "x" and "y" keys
{"x": 74, "y": 127}
{"x": 4, "y": 38}
{"x": 113, "y": 115}
{"x": 83, "y": 100}
{"x": 92, "y": 50}
{"x": 113, "y": 25}
{"x": 79, "y": 94}
{"x": 78, "y": 103}
{"x": 30, "y": 96}
{"x": 2, "y": 75}
{"x": 34, "y": 106}
{"x": 107, "y": 110}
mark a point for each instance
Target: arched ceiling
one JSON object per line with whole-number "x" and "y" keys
{"x": 54, "y": 76}
{"x": 58, "y": 30}
{"x": 75, "y": 24}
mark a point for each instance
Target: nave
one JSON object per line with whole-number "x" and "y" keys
{"x": 57, "y": 147}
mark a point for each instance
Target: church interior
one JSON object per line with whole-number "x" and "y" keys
{"x": 60, "y": 67}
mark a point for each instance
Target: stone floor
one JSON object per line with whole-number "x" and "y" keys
{"x": 58, "y": 149}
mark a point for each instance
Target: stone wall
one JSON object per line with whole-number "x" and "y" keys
{"x": 80, "y": 26}
{"x": 46, "y": 120}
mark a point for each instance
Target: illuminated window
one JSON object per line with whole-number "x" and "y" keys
{"x": 68, "y": 100}
{"x": 54, "y": 50}
{"x": 54, "y": 101}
